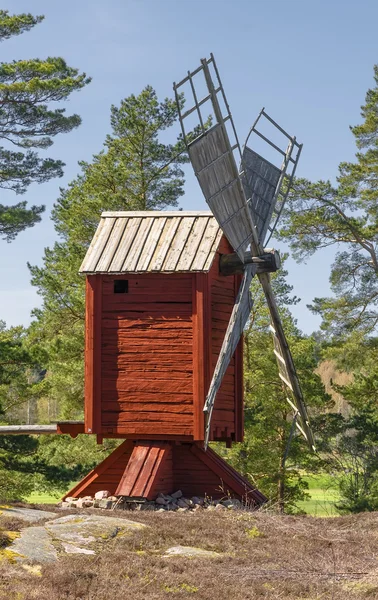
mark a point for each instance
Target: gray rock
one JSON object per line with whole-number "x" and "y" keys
{"x": 30, "y": 515}
{"x": 161, "y": 501}
{"x": 191, "y": 552}
{"x": 197, "y": 501}
{"x": 69, "y": 533}
{"x": 105, "y": 503}
{"x": 182, "y": 503}
{"x": 177, "y": 494}
{"x": 85, "y": 529}
{"x": 147, "y": 506}
{"x": 220, "y": 507}
{"x": 232, "y": 503}
{"x": 83, "y": 503}
{"x": 34, "y": 544}
{"x": 101, "y": 494}
{"x": 70, "y": 549}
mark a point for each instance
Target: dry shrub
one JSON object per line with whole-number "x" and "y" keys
{"x": 329, "y": 375}
{"x": 287, "y": 557}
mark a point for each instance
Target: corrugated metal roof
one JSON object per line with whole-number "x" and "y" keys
{"x": 151, "y": 241}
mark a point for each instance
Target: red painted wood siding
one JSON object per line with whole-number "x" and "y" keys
{"x": 107, "y": 475}
{"x": 228, "y": 409}
{"x": 146, "y": 355}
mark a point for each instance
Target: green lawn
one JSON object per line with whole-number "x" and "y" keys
{"x": 40, "y": 498}
{"x": 323, "y": 496}
{"x": 321, "y": 503}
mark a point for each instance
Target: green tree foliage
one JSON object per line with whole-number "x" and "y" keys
{"x": 134, "y": 171}
{"x": 344, "y": 215}
{"x": 264, "y": 455}
{"x": 17, "y": 368}
{"x": 28, "y": 88}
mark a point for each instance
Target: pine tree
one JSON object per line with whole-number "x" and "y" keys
{"x": 134, "y": 171}
{"x": 28, "y": 122}
{"x": 320, "y": 214}
{"x": 268, "y": 456}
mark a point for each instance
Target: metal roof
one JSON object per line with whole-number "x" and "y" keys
{"x": 151, "y": 241}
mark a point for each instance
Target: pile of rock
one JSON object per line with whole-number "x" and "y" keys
{"x": 164, "y": 502}
{"x": 101, "y": 499}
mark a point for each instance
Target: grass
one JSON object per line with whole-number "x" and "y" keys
{"x": 323, "y": 496}
{"x": 46, "y": 498}
{"x": 286, "y": 558}
{"x": 320, "y": 504}
{"x": 40, "y": 498}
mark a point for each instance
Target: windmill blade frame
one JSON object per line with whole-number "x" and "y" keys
{"x": 229, "y": 192}
{"x": 262, "y": 180}
{"x": 286, "y": 368}
{"x": 238, "y": 319}
{"x": 212, "y": 154}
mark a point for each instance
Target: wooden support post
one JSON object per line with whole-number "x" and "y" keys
{"x": 93, "y": 354}
{"x": 201, "y": 350}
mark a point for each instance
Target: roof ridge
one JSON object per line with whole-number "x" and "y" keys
{"x": 157, "y": 213}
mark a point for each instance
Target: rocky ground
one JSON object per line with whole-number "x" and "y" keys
{"x": 221, "y": 554}
{"x": 173, "y": 502}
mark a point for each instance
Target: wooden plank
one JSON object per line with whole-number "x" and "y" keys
{"x": 204, "y": 251}
{"x": 150, "y": 407}
{"x": 214, "y": 253}
{"x": 94, "y": 480}
{"x": 135, "y": 416}
{"x": 143, "y": 333}
{"x": 154, "y": 457}
{"x": 132, "y": 470}
{"x": 163, "y": 248}
{"x": 89, "y": 352}
{"x": 162, "y": 397}
{"x": 177, "y": 245}
{"x": 111, "y": 246}
{"x": 93, "y": 355}
{"x": 147, "y": 299}
{"x": 199, "y": 356}
{"x": 238, "y": 381}
{"x": 136, "y": 248}
{"x": 155, "y": 428}
{"x": 193, "y": 241}
{"x": 151, "y": 244}
{"x": 101, "y": 236}
{"x": 97, "y": 357}
{"x": 127, "y": 240}
{"x": 151, "y": 281}
{"x": 122, "y": 322}
{"x": 130, "y": 373}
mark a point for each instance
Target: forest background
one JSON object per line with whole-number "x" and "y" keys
{"x": 41, "y": 366}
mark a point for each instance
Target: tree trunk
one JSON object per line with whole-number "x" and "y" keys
{"x": 281, "y": 485}
{"x": 281, "y": 473}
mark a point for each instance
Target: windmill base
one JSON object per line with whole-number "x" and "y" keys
{"x": 143, "y": 469}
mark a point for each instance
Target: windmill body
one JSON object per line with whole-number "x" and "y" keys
{"x": 158, "y": 308}
{"x": 157, "y": 312}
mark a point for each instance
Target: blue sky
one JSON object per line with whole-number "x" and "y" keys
{"x": 309, "y": 63}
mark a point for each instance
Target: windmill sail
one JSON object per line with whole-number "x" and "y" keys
{"x": 262, "y": 180}
{"x": 239, "y": 317}
{"x": 212, "y": 156}
{"x": 286, "y": 368}
{"x": 247, "y": 204}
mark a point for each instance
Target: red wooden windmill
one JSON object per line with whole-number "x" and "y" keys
{"x": 157, "y": 313}
{"x": 167, "y": 300}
